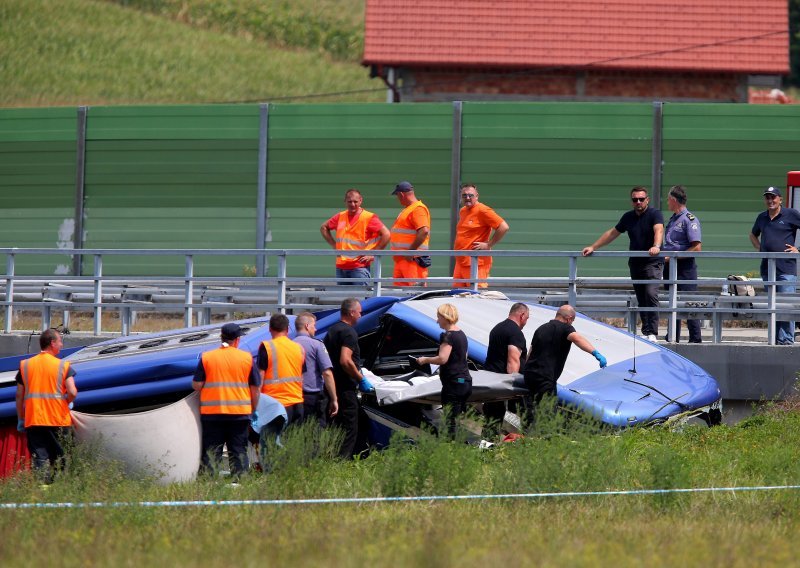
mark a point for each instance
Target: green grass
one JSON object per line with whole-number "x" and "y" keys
{"x": 71, "y": 52}
{"x": 742, "y": 529}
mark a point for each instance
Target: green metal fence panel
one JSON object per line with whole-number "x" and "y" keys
{"x": 37, "y": 184}
{"x": 317, "y": 152}
{"x": 172, "y": 177}
{"x": 559, "y": 173}
{"x": 726, "y": 155}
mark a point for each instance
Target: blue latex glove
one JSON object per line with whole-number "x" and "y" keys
{"x": 70, "y": 405}
{"x": 365, "y": 385}
{"x": 600, "y": 358}
{"x": 254, "y": 417}
{"x": 21, "y": 425}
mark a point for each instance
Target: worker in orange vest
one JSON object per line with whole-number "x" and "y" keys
{"x": 228, "y": 384}
{"x": 476, "y": 221}
{"x": 356, "y": 229}
{"x": 45, "y": 391}
{"x": 282, "y": 362}
{"x": 411, "y": 231}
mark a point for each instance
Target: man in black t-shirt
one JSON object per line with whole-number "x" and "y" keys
{"x": 548, "y": 355}
{"x": 341, "y": 341}
{"x": 505, "y": 354}
{"x": 645, "y": 227}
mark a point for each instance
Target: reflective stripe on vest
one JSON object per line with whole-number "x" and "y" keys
{"x": 403, "y": 233}
{"x": 287, "y": 389}
{"x": 45, "y": 393}
{"x": 227, "y": 388}
{"x": 353, "y": 237}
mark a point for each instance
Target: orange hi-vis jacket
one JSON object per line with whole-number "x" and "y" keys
{"x": 283, "y": 379}
{"x": 404, "y": 231}
{"x": 227, "y": 386}
{"x": 353, "y": 237}
{"x": 44, "y": 377}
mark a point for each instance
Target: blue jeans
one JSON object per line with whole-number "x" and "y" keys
{"x": 784, "y": 332}
{"x": 353, "y": 273}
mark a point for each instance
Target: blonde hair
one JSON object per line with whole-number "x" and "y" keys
{"x": 448, "y": 312}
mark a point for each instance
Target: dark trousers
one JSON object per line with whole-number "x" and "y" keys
{"x": 229, "y": 432}
{"x": 647, "y": 294}
{"x": 44, "y": 445}
{"x": 687, "y": 270}
{"x": 347, "y": 420}
{"x": 315, "y": 407}
{"x": 454, "y": 400}
{"x": 538, "y": 387}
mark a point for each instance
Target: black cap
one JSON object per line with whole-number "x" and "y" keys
{"x": 773, "y": 191}
{"x": 231, "y": 331}
{"x": 403, "y": 187}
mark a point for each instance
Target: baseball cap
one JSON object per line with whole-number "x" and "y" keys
{"x": 231, "y": 331}
{"x": 403, "y": 187}
{"x": 773, "y": 191}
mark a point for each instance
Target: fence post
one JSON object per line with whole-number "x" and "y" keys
{"x": 377, "y": 271}
{"x": 473, "y": 273}
{"x": 188, "y": 295}
{"x": 672, "y": 329}
{"x": 9, "y": 292}
{"x": 771, "y": 332}
{"x": 98, "y": 294}
{"x": 658, "y": 127}
{"x": 80, "y": 189}
{"x": 282, "y": 281}
{"x": 261, "y": 195}
{"x": 573, "y": 284}
{"x": 455, "y": 175}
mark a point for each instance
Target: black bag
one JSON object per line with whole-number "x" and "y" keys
{"x": 423, "y": 261}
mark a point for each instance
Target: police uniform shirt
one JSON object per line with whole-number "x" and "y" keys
{"x": 317, "y": 362}
{"x": 776, "y": 234}
{"x": 681, "y": 231}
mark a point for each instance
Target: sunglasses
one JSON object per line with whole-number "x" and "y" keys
{"x": 468, "y": 195}
{"x": 638, "y": 199}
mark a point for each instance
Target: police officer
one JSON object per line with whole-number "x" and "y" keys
{"x": 683, "y": 233}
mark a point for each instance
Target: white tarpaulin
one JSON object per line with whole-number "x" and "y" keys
{"x": 164, "y": 442}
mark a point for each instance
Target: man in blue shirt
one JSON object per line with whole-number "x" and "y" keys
{"x": 774, "y": 231}
{"x": 318, "y": 376}
{"x": 645, "y": 227}
{"x": 683, "y": 233}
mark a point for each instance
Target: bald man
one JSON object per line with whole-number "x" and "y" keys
{"x": 548, "y": 354}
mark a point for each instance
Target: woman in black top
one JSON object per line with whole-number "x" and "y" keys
{"x": 452, "y": 361}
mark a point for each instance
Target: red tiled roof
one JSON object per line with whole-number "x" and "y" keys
{"x": 741, "y": 36}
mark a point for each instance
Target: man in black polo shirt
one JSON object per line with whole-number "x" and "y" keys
{"x": 505, "y": 354}
{"x": 645, "y": 227}
{"x": 777, "y": 228}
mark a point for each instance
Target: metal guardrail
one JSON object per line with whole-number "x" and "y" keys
{"x": 199, "y": 296}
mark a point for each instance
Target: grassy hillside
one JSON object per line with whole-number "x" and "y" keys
{"x": 70, "y": 52}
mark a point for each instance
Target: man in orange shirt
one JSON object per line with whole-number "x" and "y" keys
{"x": 356, "y": 229}
{"x": 475, "y": 224}
{"x": 45, "y": 391}
{"x": 411, "y": 231}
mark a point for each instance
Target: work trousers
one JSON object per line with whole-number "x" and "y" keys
{"x": 347, "y": 420}
{"x": 47, "y": 453}
{"x": 647, "y": 294}
{"x": 231, "y": 432}
{"x": 315, "y": 407}
{"x": 404, "y": 267}
{"x": 687, "y": 270}
{"x": 463, "y": 270}
{"x": 362, "y": 273}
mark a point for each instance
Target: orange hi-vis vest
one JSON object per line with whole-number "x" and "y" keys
{"x": 353, "y": 237}
{"x": 283, "y": 379}
{"x": 227, "y": 386}
{"x": 404, "y": 233}
{"x": 44, "y": 377}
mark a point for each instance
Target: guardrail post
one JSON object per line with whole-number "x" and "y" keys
{"x": 98, "y": 294}
{"x": 672, "y": 329}
{"x": 282, "y": 281}
{"x": 377, "y": 271}
{"x": 573, "y": 281}
{"x": 9, "y": 292}
{"x": 473, "y": 273}
{"x": 188, "y": 294}
{"x": 771, "y": 301}
{"x": 125, "y": 320}
{"x": 46, "y": 317}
